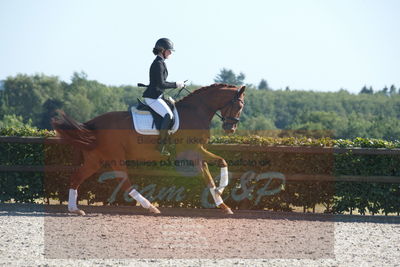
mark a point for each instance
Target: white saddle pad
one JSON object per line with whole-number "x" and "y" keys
{"x": 143, "y": 122}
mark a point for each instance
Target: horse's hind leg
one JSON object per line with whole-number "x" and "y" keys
{"x": 91, "y": 163}
{"x": 120, "y": 172}
{"x": 145, "y": 203}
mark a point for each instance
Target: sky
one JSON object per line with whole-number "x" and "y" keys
{"x": 304, "y": 44}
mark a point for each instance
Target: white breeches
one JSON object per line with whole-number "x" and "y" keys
{"x": 159, "y": 106}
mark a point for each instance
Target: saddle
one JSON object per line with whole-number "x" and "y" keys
{"x": 148, "y": 122}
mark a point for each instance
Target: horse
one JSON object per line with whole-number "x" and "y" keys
{"x": 112, "y": 137}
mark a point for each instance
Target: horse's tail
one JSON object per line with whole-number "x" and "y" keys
{"x": 73, "y": 132}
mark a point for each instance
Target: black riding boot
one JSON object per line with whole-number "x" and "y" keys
{"x": 162, "y": 147}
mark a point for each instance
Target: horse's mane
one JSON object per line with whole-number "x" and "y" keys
{"x": 204, "y": 89}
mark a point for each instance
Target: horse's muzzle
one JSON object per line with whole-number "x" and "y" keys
{"x": 229, "y": 128}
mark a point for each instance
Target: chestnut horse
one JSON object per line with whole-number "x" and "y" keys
{"x": 111, "y": 137}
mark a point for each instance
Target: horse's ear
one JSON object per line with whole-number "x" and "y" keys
{"x": 241, "y": 90}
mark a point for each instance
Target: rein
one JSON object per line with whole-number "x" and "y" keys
{"x": 231, "y": 102}
{"x": 180, "y": 91}
{"x": 175, "y": 96}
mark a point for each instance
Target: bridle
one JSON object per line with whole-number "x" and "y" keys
{"x": 233, "y": 120}
{"x": 236, "y": 98}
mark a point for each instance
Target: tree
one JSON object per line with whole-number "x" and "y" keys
{"x": 229, "y": 77}
{"x": 365, "y": 90}
{"x": 79, "y": 107}
{"x": 24, "y": 95}
{"x": 327, "y": 123}
{"x": 14, "y": 121}
{"x": 259, "y": 122}
{"x": 263, "y": 85}
{"x": 49, "y": 108}
{"x": 240, "y": 79}
{"x": 392, "y": 90}
{"x": 385, "y": 91}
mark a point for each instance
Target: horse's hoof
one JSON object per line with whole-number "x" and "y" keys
{"x": 77, "y": 212}
{"x": 225, "y": 209}
{"x": 154, "y": 210}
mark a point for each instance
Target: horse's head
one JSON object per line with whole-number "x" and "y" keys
{"x": 230, "y": 112}
{"x": 204, "y": 103}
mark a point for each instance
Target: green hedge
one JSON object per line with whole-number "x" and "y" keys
{"x": 248, "y": 192}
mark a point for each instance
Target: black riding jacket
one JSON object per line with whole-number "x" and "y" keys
{"x": 158, "y": 79}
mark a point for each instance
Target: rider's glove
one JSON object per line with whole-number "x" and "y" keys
{"x": 180, "y": 85}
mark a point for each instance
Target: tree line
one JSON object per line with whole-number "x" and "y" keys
{"x": 229, "y": 76}
{"x": 31, "y": 100}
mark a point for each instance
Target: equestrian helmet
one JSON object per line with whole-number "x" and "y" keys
{"x": 165, "y": 44}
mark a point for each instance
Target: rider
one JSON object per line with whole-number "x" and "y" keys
{"x": 153, "y": 95}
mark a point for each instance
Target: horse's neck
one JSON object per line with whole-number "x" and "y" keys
{"x": 195, "y": 116}
{"x": 196, "y": 113}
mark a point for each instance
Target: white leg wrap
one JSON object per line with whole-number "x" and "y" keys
{"x": 141, "y": 199}
{"x": 223, "y": 182}
{"x": 72, "y": 197}
{"x": 217, "y": 197}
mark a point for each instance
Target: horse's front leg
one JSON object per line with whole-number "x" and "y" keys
{"x": 216, "y": 192}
